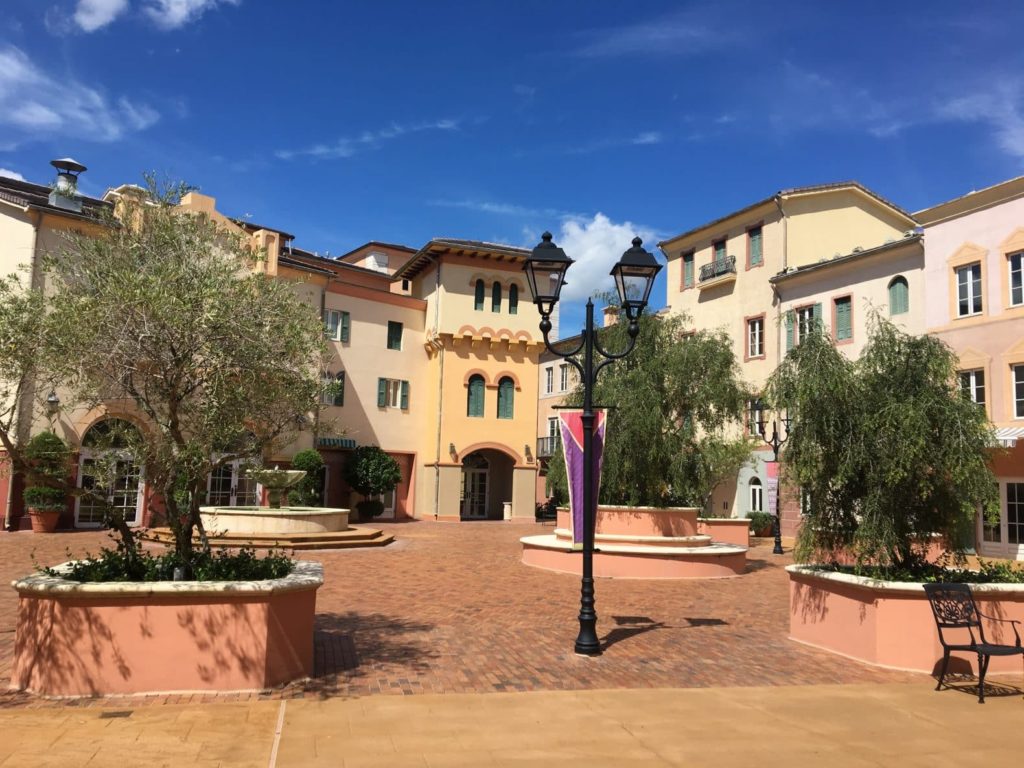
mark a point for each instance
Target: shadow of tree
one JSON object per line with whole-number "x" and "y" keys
{"x": 632, "y": 626}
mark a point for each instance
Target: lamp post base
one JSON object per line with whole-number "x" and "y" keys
{"x": 587, "y": 643}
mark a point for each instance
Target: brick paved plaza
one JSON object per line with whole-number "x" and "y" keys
{"x": 449, "y": 608}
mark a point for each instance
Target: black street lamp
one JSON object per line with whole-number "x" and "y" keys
{"x": 634, "y": 275}
{"x": 775, "y": 441}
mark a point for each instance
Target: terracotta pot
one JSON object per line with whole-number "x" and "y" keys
{"x": 44, "y": 521}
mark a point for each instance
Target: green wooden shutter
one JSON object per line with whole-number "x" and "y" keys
{"x": 688, "y": 270}
{"x": 345, "y": 326}
{"x": 506, "y": 393}
{"x": 475, "y": 396}
{"x": 755, "y": 246}
{"x": 382, "y": 393}
{"x": 496, "y": 297}
{"x": 478, "y": 297}
{"x": 819, "y": 320}
{"x": 789, "y": 330}
{"x": 899, "y": 297}
{"x": 339, "y": 392}
{"x": 405, "y": 395}
{"x": 513, "y": 299}
{"x": 844, "y": 320}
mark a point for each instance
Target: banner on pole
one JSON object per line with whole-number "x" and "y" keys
{"x": 772, "y": 468}
{"x": 571, "y": 427}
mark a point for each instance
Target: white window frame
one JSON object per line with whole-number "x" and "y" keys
{"x": 804, "y": 322}
{"x": 564, "y": 377}
{"x": 393, "y": 393}
{"x": 552, "y": 426}
{"x": 332, "y": 328}
{"x": 972, "y": 298}
{"x": 756, "y": 499}
{"x": 1018, "y": 272}
{"x": 549, "y": 380}
{"x": 755, "y": 337}
{"x": 1017, "y": 382}
{"x": 972, "y": 387}
{"x": 89, "y": 454}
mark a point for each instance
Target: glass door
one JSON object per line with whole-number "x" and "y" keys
{"x": 120, "y": 492}
{"x": 474, "y": 494}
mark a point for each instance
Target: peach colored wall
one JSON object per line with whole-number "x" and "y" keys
{"x": 629, "y": 566}
{"x": 727, "y": 530}
{"x": 86, "y": 647}
{"x": 889, "y": 629}
{"x": 640, "y": 521}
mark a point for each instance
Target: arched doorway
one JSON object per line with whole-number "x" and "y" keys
{"x": 108, "y": 474}
{"x": 475, "y": 471}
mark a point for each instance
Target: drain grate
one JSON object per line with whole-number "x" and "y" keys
{"x": 109, "y": 715}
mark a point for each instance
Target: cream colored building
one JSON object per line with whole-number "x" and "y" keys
{"x": 720, "y": 275}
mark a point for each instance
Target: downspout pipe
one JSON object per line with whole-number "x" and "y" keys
{"x": 777, "y": 296}
{"x": 440, "y": 395}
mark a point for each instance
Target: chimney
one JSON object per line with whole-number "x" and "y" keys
{"x": 611, "y": 315}
{"x": 65, "y": 188}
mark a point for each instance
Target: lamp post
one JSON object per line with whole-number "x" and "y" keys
{"x": 634, "y": 275}
{"x": 775, "y": 441}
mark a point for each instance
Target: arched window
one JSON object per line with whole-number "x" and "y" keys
{"x": 899, "y": 296}
{"x": 496, "y": 297}
{"x": 513, "y": 299}
{"x": 475, "y": 396}
{"x": 506, "y": 393}
{"x": 478, "y": 299}
{"x": 756, "y": 495}
{"x": 110, "y": 478}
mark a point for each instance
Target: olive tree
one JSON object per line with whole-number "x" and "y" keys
{"x": 218, "y": 360}
{"x": 885, "y": 449}
{"x": 677, "y": 403}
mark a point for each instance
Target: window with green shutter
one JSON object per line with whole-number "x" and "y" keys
{"x": 719, "y": 249}
{"x": 405, "y": 396}
{"x": 506, "y": 394}
{"x": 345, "y": 327}
{"x": 496, "y": 297}
{"x": 478, "y": 296}
{"x": 513, "y": 299}
{"x": 688, "y": 270}
{"x": 339, "y": 389}
{"x": 382, "y": 393}
{"x": 475, "y": 396}
{"x": 394, "y": 335}
{"x": 899, "y": 296}
{"x": 790, "y": 327}
{"x": 844, "y": 318}
{"x": 754, "y": 246}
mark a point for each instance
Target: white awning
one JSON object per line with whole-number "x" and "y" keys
{"x": 1007, "y": 437}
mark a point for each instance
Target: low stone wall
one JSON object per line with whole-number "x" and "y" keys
{"x": 92, "y": 639}
{"x": 888, "y": 623}
{"x": 640, "y": 521}
{"x": 728, "y": 530}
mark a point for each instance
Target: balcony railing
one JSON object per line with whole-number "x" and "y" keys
{"x": 546, "y": 447}
{"x": 717, "y": 268}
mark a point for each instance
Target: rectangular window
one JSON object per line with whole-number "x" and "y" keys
{"x": 394, "y": 335}
{"x": 549, "y": 380}
{"x": 972, "y": 386}
{"x": 719, "y": 248}
{"x": 688, "y": 270}
{"x": 392, "y": 393}
{"x": 1015, "y": 513}
{"x": 1018, "y": 391}
{"x": 754, "y": 246}
{"x": 807, "y": 319}
{"x": 844, "y": 318}
{"x": 552, "y": 426}
{"x": 752, "y": 416}
{"x": 563, "y": 371}
{"x": 755, "y": 337}
{"x": 968, "y": 285}
{"x": 1016, "y": 279}
{"x": 336, "y": 325}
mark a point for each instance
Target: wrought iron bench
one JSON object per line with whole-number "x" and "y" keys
{"x": 954, "y": 609}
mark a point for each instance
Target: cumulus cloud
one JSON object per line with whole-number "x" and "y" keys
{"x": 91, "y": 15}
{"x": 347, "y": 146}
{"x": 7, "y": 172}
{"x": 35, "y": 104}
{"x": 171, "y": 14}
{"x": 595, "y": 244}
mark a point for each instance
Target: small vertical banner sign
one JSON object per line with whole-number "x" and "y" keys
{"x": 571, "y": 424}
{"x": 772, "y": 467}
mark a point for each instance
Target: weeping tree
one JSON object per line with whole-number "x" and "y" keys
{"x": 219, "y": 361}
{"x": 677, "y": 405}
{"x": 885, "y": 449}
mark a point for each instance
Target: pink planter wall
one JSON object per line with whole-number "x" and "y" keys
{"x": 640, "y": 521}
{"x": 728, "y": 530}
{"x": 890, "y": 624}
{"x": 82, "y": 642}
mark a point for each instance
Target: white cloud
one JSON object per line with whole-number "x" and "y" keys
{"x": 647, "y": 138}
{"x": 1000, "y": 107}
{"x": 35, "y": 104}
{"x": 7, "y": 172}
{"x": 91, "y": 15}
{"x": 595, "y": 245}
{"x": 171, "y": 14}
{"x": 687, "y": 33}
{"x": 346, "y": 146}
{"x": 504, "y": 209}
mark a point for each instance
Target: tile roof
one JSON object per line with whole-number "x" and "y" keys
{"x": 37, "y": 196}
{"x": 441, "y": 245}
{"x": 916, "y": 237}
{"x": 790, "y": 193}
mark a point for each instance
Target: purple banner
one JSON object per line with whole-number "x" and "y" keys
{"x": 571, "y": 423}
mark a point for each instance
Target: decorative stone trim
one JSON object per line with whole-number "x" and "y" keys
{"x": 915, "y": 588}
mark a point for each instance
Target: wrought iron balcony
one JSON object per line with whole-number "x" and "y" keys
{"x": 546, "y": 447}
{"x": 718, "y": 268}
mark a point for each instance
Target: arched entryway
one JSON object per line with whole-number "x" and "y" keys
{"x": 486, "y": 484}
{"x": 109, "y": 475}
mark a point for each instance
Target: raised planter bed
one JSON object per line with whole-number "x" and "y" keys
{"x": 93, "y": 639}
{"x": 727, "y": 530}
{"x": 889, "y": 623}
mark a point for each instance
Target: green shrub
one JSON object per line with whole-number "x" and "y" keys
{"x": 371, "y": 472}
{"x": 48, "y": 459}
{"x": 44, "y": 499}
{"x": 370, "y": 508}
{"x": 760, "y": 521}
{"x": 309, "y": 491}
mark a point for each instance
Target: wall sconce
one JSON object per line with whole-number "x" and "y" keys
{"x": 52, "y": 402}
{"x": 451, "y": 449}
{"x": 529, "y": 456}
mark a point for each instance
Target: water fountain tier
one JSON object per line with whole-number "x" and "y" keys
{"x": 276, "y": 481}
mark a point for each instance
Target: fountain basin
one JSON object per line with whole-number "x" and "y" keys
{"x": 264, "y": 520}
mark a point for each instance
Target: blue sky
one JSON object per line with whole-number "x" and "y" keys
{"x": 346, "y": 122}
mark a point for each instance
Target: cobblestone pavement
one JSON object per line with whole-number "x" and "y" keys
{"x": 449, "y": 608}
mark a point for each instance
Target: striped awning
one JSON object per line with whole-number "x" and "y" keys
{"x": 1007, "y": 437}
{"x": 335, "y": 442}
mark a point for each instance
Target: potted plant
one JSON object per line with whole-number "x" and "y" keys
{"x": 760, "y": 523}
{"x": 48, "y": 464}
{"x": 371, "y": 472}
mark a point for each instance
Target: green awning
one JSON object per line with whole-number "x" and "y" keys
{"x": 335, "y": 442}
